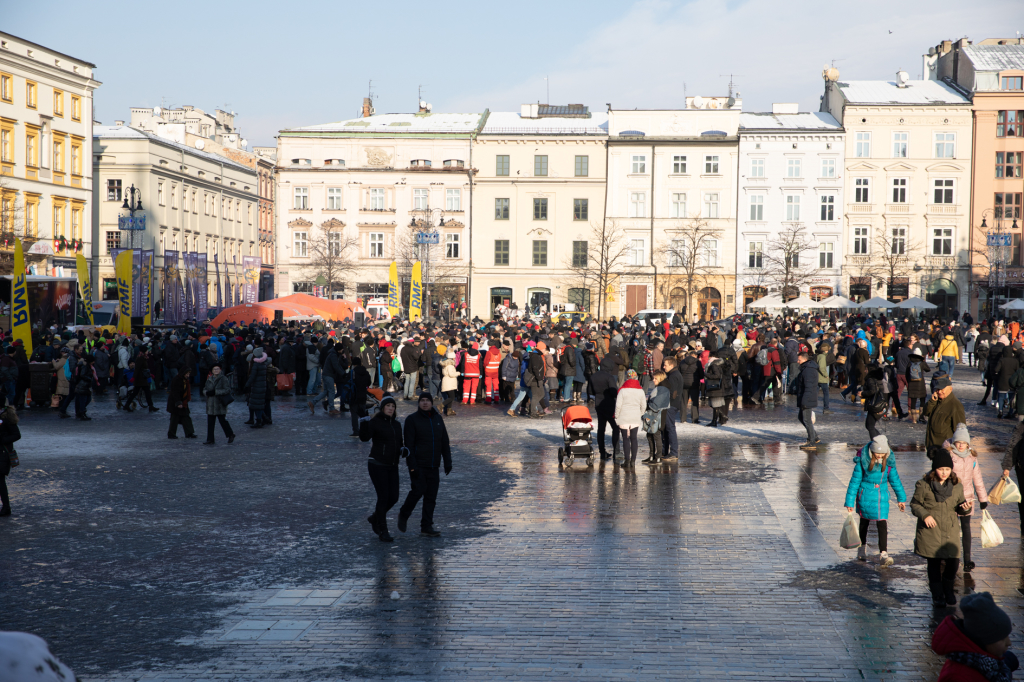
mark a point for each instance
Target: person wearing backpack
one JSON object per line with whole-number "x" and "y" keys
{"x": 62, "y": 368}
{"x": 917, "y": 368}
{"x": 824, "y": 360}
{"x": 771, "y": 364}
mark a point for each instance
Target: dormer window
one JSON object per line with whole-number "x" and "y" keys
{"x": 301, "y": 162}
{"x": 454, "y": 163}
{"x": 334, "y": 162}
{"x": 421, "y": 163}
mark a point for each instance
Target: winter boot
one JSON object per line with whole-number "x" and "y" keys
{"x": 382, "y": 531}
{"x": 884, "y": 560}
{"x": 372, "y": 518}
{"x": 938, "y": 598}
{"x": 862, "y": 553}
{"x": 949, "y": 593}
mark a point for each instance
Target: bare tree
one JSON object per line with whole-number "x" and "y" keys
{"x": 892, "y": 257}
{"x": 331, "y": 254}
{"x": 789, "y": 261}
{"x": 605, "y": 257}
{"x": 692, "y": 256}
{"x": 443, "y": 272}
{"x": 12, "y": 224}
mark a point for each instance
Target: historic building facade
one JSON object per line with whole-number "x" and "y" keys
{"x": 46, "y": 180}
{"x": 908, "y": 187}
{"x": 790, "y": 203}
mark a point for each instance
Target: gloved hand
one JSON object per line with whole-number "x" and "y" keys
{"x": 983, "y": 504}
{"x": 405, "y": 452}
{"x": 364, "y": 419}
{"x": 447, "y": 469}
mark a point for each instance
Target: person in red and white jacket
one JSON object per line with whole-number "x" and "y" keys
{"x": 471, "y": 370}
{"x": 492, "y": 369}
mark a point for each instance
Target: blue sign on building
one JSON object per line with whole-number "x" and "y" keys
{"x": 127, "y": 222}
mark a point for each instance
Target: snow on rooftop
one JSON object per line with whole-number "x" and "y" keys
{"x": 995, "y": 57}
{"x": 814, "y": 120}
{"x": 512, "y": 123}
{"x": 887, "y": 92}
{"x": 129, "y": 133}
{"x": 398, "y": 123}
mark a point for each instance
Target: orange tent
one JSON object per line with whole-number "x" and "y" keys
{"x": 329, "y": 309}
{"x": 262, "y": 312}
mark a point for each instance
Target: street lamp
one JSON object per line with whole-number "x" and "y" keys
{"x": 426, "y": 237}
{"x": 132, "y": 204}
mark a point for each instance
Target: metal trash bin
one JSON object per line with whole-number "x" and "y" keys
{"x": 40, "y": 376}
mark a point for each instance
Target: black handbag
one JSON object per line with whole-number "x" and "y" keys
{"x": 14, "y": 458}
{"x": 226, "y": 399}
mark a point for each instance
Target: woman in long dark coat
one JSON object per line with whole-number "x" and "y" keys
{"x": 257, "y": 387}
{"x": 179, "y": 393}
{"x": 9, "y": 433}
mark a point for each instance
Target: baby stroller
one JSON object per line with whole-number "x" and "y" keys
{"x": 577, "y": 432}
{"x": 374, "y": 395}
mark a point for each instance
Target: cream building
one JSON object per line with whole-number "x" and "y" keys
{"x": 373, "y": 183}
{"x": 193, "y": 200}
{"x": 538, "y": 196}
{"x": 673, "y": 173}
{"x": 790, "y": 185}
{"x": 907, "y": 184}
{"x": 46, "y": 180}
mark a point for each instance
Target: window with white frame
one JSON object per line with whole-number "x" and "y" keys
{"x": 942, "y": 241}
{"x": 334, "y": 243}
{"x": 711, "y": 205}
{"x": 376, "y": 245}
{"x": 792, "y": 207}
{"x": 828, "y": 168}
{"x": 793, "y": 168}
{"x": 451, "y": 245}
{"x": 709, "y": 253}
{"x": 900, "y": 142}
{"x": 639, "y": 163}
{"x": 945, "y": 145}
{"x": 861, "y": 190}
{"x": 452, "y": 200}
{"x": 828, "y": 207}
{"x": 160, "y": 193}
{"x": 862, "y": 147}
{"x": 899, "y": 190}
{"x": 301, "y": 198}
{"x": 675, "y": 253}
{"x": 826, "y": 251}
{"x": 376, "y": 198}
{"x": 755, "y": 254}
{"x": 334, "y": 198}
{"x": 860, "y": 241}
{"x": 899, "y": 241}
{"x": 678, "y": 205}
{"x": 637, "y": 252}
{"x": 300, "y": 244}
{"x": 637, "y": 205}
{"x": 757, "y": 168}
{"x": 711, "y": 164}
{"x": 678, "y": 164}
{"x": 757, "y": 207}
{"x": 943, "y": 192}
{"x": 419, "y": 199}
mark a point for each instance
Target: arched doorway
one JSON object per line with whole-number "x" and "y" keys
{"x": 751, "y": 294}
{"x": 709, "y": 302}
{"x": 944, "y": 294}
{"x": 677, "y": 300}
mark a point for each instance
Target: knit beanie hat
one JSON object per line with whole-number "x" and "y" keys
{"x": 429, "y": 397}
{"x": 961, "y": 435}
{"x": 941, "y": 459}
{"x": 879, "y": 444}
{"x": 387, "y": 399}
{"x": 984, "y": 622}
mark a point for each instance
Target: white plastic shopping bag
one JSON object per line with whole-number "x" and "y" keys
{"x": 850, "y": 537}
{"x": 1011, "y": 493}
{"x": 991, "y": 536}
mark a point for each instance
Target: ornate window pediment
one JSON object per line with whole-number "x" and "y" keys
{"x": 900, "y": 167}
{"x": 300, "y": 222}
{"x": 331, "y": 224}
{"x": 862, "y": 166}
{"x": 945, "y": 167}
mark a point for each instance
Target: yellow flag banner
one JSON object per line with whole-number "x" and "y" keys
{"x": 123, "y": 270}
{"x": 416, "y": 292}
{"x": 85, "y": 287}
{"x": 21, "y": 325}
{"x": 393, "y": 289}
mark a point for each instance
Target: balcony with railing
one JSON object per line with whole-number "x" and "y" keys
{"x": 943, "y": 209}
{"x": 897, "y": 208}
{"x": 862, "y": 208}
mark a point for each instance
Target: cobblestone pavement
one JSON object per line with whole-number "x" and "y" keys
{"x": 143, "y": 558}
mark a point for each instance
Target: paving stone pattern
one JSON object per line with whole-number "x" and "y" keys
{"x": 140, "y": 558}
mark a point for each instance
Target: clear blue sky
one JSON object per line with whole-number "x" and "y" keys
{"x": 286, "y": 64}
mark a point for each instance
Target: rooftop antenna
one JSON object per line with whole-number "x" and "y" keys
{"x": 731, "y": 76}
{"x": 547, "y": 88}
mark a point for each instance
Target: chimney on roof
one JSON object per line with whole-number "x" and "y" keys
{"x": 529, "y": 111}
{"x": 119, "y": 123}
{"x": 367, "y": 107}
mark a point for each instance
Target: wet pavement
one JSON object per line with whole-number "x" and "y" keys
{"x": 143, "y": 558}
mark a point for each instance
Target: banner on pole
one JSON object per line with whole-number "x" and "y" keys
{"x": 216, "y": 278}
{"x": 416, "y": 292}
{"x": 146, "y": 281}
{"x": 172, "y": 305}
{"x": 123, "y": 271}
{"x": 202, "y": 288}
{"x": 393, "y": 294}
{"x": 85, "y": 286}
{"x": 21, "y": 324}
{"x": 251, "y": 278}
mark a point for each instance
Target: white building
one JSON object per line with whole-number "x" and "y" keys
{"x": 790, "y": 179}
{"x": 46, "y": 113}
{"x": 537, "y": 196}
{"x": 375, "y": 182}
{"x": 667, "y": 170}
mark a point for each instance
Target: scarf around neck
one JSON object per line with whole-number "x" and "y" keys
{"x": 942, "y": 490}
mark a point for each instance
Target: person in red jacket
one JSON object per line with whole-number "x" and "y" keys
{"x": 471, "y": 374}
{"x": 492, "y": 367}
{"x": 772, "y": 373}
{"x": 975, "y": 646}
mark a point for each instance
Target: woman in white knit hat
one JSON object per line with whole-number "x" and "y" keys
{"x": 968, "y": 470}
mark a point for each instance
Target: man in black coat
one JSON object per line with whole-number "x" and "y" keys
{"x": 360, "y": 382}
{"x": 674, "y": 382}
{"x": 606, "y": 385}
{"x": 427, "y": 440}
{"x": 807, "y": 397}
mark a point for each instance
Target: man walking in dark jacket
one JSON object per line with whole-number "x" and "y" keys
{"x": 360, "y": 383}
{"x": 427, "y": 440}
{"x": 606, "y": 386}
{"x": 674, "y": 383}
{"x": 807, "y": 397}
{"x": 411, "y": 366}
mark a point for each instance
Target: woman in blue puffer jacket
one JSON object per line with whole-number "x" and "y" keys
{"x": 874, "y": 470}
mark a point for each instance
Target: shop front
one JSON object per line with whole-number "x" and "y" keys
{"x": 501, "y": 296}
{"x": 898, "y": 289}
{"x": 751, "y": 294}
{"x": 860, "y": 289}
{"x": 944, "y": 294}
